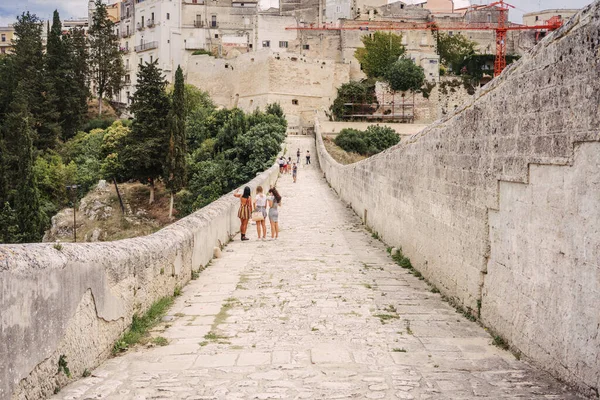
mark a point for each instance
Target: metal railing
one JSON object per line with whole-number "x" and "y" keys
{"x": 126, "y": 34}
{"x": 150, "y": 23}
{"x": 198, "y": 24}
{"x": 146, "y": 46}
{"x": 139, "y": 26}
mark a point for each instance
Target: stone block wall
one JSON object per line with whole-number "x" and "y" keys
{"x": 78, "y": 300}
{"x": 498, "y": 204}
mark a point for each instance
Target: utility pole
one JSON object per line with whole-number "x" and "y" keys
{"x": 73, "y": 190}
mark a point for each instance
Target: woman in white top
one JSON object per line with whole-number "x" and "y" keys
{"x": 260, "y": 204}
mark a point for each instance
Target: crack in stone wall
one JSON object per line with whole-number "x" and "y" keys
{"x": 439, "y": 193}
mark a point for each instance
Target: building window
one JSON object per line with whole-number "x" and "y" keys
{"x": 489, "y": 18}
{"x": 216, "y": 35}
{"x": 128, "y": 97}
{"x": 283, "y": 44}
{"x": 141, "y": 60}
{"x": 152, "y": 17}
{"x": 295, "y": 102}
{"x": 143, "y": 21}
{"x": 250, "y": 46}
{"x": 168, "y": 16}
{"x": 127, "y": 12}
{"x": 213, "y": 21}
{"x": 3, "y": 37}
{"x": 305, "y": 47}
{"x": 127, "y": 78}
{"x": 266, "y": 43}
{"x": 2, "y": 50}
{"x": 151, "y": 59}
{"x": 537, "y": 18}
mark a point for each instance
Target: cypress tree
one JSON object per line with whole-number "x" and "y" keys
{"x": 176, "y": 168}
{"x": 106, "y": 64}
{"x": 26, "y": 195}
{"x": 28, "y": 72}
{"x": 147, "y": 146}
{"x": 81, "y": 81}
{"x": 62, "y": 68}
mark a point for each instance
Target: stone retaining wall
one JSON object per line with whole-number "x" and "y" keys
{"x": 77, "y": 300}
{"x": 498, "y": 204}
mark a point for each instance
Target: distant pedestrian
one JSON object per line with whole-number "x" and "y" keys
{"x": 274, "y": 203}
{"x": 295, "y": 172}
{"x": 307, "y": 157}
{"x": 245, "y": 211}
{"x": 298, "y": 156}
{"x": 280, "y": 162}
{"x": 260, "y": 206}
{"x": 289, "y": 165}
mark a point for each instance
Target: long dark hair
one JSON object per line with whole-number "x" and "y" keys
{"x": 247, "y": 192}
{"x": 276, "y": 194}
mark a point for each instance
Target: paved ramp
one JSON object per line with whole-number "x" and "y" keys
{"x": 321, "y": 313}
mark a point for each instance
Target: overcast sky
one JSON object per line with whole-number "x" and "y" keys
{"x": 9, "y": 9}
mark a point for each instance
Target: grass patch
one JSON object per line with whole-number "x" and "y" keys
{"x": 195, "y": 275}
{"x": 58, "y": 246}
{"x": 375, "y": 235}
{"x": 177, "y": 291}
{"x": 408, "y": 330}
{"x": 138, "y": 331}
{"x": 213, "y": 336}
{"x": 390, "y": 308}
{"x": 500, "y": 342}
{"x": 386, "y": 317}
{"x": 399, "y": 350}
{"x": 63, "y": 365}
{"x": 160, "y": 341}
{"x": 368, "y": 285}
{"x": 86, "y": 373}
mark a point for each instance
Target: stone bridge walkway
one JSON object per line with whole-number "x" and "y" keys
{"x": 321, "y": 313}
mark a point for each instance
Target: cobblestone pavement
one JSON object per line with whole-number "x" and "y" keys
{"x": 321, "y": 313}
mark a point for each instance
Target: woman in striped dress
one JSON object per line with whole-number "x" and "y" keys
{"x": 245, "y": 211}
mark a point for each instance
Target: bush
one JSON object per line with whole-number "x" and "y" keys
{"x": 372, "y": 141}
{"x": 202, "y": 52}
{"x": 353, "y": 92}
{"x": 379, "y": 138}
{"x": 99, "y": 123}
{"x": 352, "y": 140}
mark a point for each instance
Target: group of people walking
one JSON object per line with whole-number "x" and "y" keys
{"x": 257, "y": 211}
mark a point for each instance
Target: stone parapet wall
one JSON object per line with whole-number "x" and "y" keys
{"x": 78, "y": 299}
{"x": 498, "y": 203}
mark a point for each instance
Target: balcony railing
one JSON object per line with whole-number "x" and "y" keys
{"x": 146, "y": 46}
{"x": 150, "y": 23}
{"x": 125, "y": 35}
{"x": 124, "y": 50}
{"x": 198, "y": 24}
{"x": 140, "y": 27}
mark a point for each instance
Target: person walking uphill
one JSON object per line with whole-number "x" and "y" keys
{"x": 245, "y": 211}
{"x": 307, "y": 157}
{"x": 274, "y": 202}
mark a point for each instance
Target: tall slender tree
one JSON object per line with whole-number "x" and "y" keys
{"x": 176, "y": 167}
{"x": 28, "y": 71}
{"x": 63, "y": 69}
{"x": 145, "y": 152}
{"x": 26, "y": 195}
{"x": 106, "y": 64}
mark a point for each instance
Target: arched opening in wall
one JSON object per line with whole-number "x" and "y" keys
{"x": 295, "y": 102}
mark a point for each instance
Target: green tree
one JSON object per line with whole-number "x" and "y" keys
{"x": 26, "y": 198}
{"x": 145, "y": 153}
{"x": 351, "y": 93}
{"x": 28, "y": 72}
{"x": 404, "y": 75}
{"x": 255, "y": 147}
{"x": 453, "y": 49}
{"x": 379, "y": 52}
{"x": 106, "y": 64}
{"x": 235, "y": 126}
{"x": 275, "y": 109}
{"x": 63, "y": 65}
{"x": 176, "y": 168}
{"x": 81, "y": 79}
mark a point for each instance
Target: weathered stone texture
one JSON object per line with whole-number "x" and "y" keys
{"x": 77, "y": 300}
{"x": 498, "y": 204}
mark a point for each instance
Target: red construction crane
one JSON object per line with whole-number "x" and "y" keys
{"x": 501, "y": 28}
